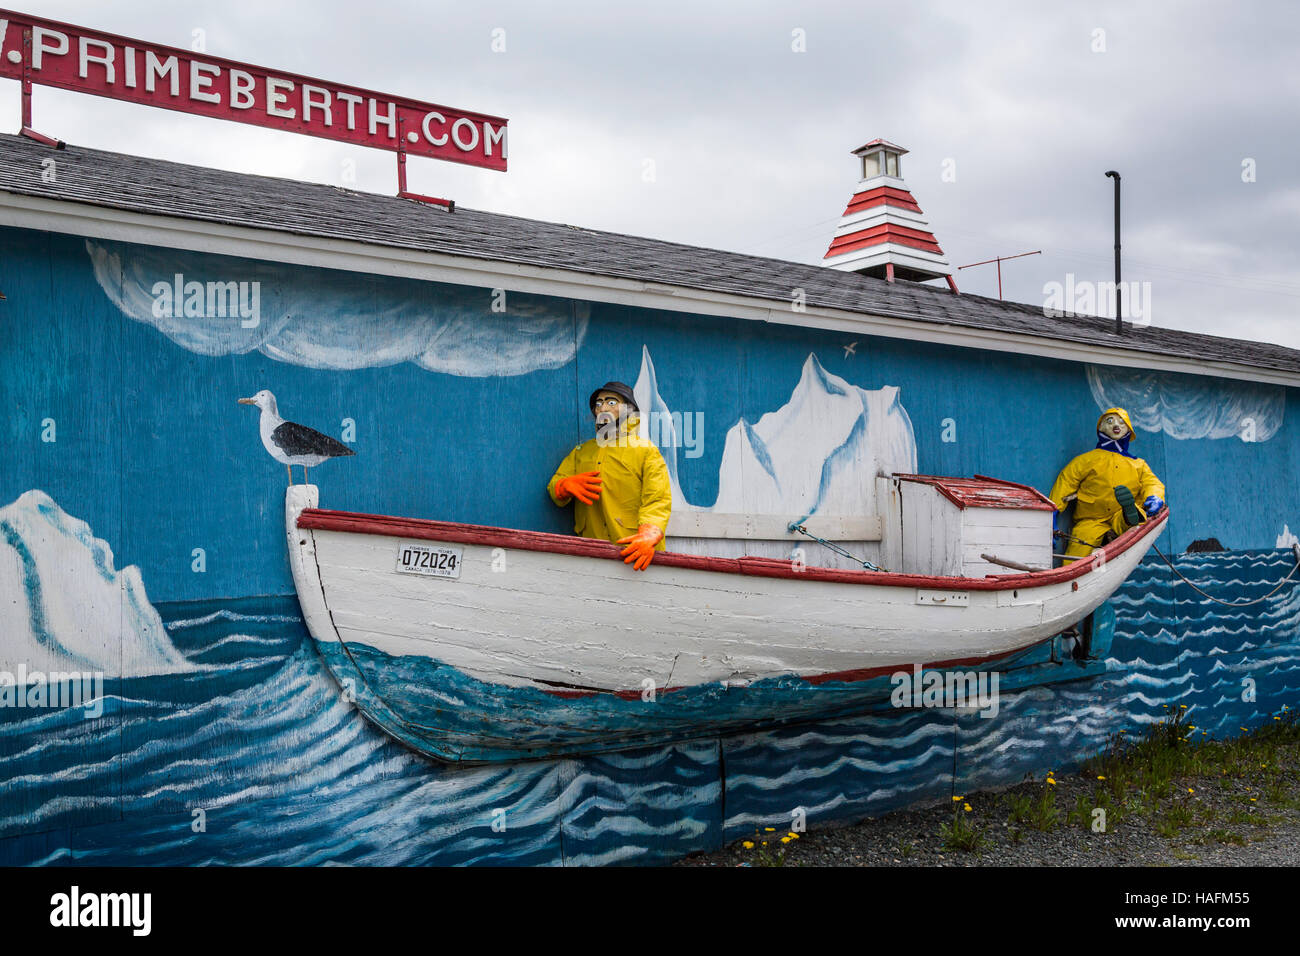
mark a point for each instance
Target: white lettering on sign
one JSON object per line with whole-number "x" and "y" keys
{"x": 156, "y": 70}
{"x": 435, "y": 140}
{"x": 274, "y": 97}
{"x": 462, "y": 124}
{"x": 241, "y": 90}
{"x": 389, "y": 119}
{"x": 79, "y": 60}
{"x": 85, "y": 58}
{"x": 322, "y": 104}
{"x": 352, "y": 100}
{"x": 492, "y": 135}
{"x": 201, "y": 76}
{"x": 40, "y": 47}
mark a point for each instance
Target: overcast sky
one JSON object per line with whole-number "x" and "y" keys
{"x": 1028, "y": 103}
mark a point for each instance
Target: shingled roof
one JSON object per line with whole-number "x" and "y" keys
{"x": 162, "y": 188}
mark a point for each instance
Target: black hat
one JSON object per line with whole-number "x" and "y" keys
{"x": 619, "y": 389}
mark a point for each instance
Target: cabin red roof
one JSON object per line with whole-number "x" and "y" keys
{"x": 984, "y": 492}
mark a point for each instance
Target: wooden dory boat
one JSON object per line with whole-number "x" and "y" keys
{"x": 479, "y": 643}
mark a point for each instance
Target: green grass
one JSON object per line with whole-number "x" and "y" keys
{"x": 1149, "y": 777}
{"x": 961, "y": 834}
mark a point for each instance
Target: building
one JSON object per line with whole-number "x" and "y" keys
{"x": 454, "y": 352}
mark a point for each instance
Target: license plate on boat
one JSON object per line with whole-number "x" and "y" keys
{"x": 424, "y": 559}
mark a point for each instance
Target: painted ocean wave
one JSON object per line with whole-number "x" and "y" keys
{"x": 287, "y": 771}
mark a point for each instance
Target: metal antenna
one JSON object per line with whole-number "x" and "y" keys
{"x": 998, "y": 260}
{"x": 1119, "y": 317}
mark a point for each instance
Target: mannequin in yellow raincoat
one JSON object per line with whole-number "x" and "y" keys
{"x": 1105, "y": 485}
{"x": 618, "y": 481}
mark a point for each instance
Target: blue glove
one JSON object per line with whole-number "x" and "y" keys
{"x": 1152, "y": 505}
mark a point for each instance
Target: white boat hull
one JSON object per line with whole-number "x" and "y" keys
{"x": 522, "y": 617}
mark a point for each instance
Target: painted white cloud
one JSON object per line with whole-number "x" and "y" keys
{"x": 1184, "y": 406}
{"x": 335, "y": 320}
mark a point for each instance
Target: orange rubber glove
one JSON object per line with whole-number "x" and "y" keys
{"x": 585, "y": 487}
{"x": 641, "y": 546}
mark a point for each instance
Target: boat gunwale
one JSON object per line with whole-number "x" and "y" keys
{"x": 429, "y": 529}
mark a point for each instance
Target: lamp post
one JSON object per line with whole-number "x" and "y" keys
{"x": 1119, "y": 319}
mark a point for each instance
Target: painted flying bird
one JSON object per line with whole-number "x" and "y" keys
{"x": 290, "y": 443}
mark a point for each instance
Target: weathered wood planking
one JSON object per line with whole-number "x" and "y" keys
{"x": 550, "y": 612}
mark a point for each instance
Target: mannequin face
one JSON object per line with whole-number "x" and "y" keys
{"x": 609, "y": 408}
{"x": 1112, "y": 426}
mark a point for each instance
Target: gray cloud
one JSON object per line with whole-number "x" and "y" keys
{"x": 750, "y": 141}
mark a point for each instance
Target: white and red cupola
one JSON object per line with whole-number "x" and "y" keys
{"x": 882, "y": 232}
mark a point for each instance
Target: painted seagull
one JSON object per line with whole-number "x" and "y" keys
{"x": 290, "y": 443}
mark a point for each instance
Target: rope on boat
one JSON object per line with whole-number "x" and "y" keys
{"x": 866, "y": 565}
{"x": 1295, "y": 550}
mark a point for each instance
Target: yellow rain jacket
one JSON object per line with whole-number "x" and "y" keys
{"x": 1090, "y": 480}
{"x": 634, "y": 489}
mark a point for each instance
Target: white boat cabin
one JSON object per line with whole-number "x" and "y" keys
{"x": 945, "y": 526}
{"x": 918, "y": 524}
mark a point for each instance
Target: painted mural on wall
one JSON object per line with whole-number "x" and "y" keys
{"x": 223, "y": 711}
{"x": 332, "y": 320}
{"x": 1187, "y": 406}
{"x": 816, "y": 454}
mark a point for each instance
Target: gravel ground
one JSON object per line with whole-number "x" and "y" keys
{"x": 1268, "y": 831}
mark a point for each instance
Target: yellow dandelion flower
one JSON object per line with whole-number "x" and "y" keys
{"x": 1190, "y": 790}
{"x": 967, "y": 806}
{"x": 1100, "y": 777}
{"x": 748, "y": 844}
{"x": 785, "y": 839}
{"x": 769, "y": 829}
{"x": 1252, "y": 799}
{"x": 957, "y": 799}
{"x": 1182, "y": 706}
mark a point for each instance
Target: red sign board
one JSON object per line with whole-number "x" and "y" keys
{"x": 49, "y": 53}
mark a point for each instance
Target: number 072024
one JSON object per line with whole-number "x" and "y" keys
{"x": 432, "y": 561}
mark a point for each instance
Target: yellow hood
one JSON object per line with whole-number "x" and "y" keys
{"x": 1122, "y": 414}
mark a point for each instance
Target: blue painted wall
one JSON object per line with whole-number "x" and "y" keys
{"x": 153, "y": 452}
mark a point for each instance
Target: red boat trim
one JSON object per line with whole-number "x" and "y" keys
{"x": 486, "y": 536}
